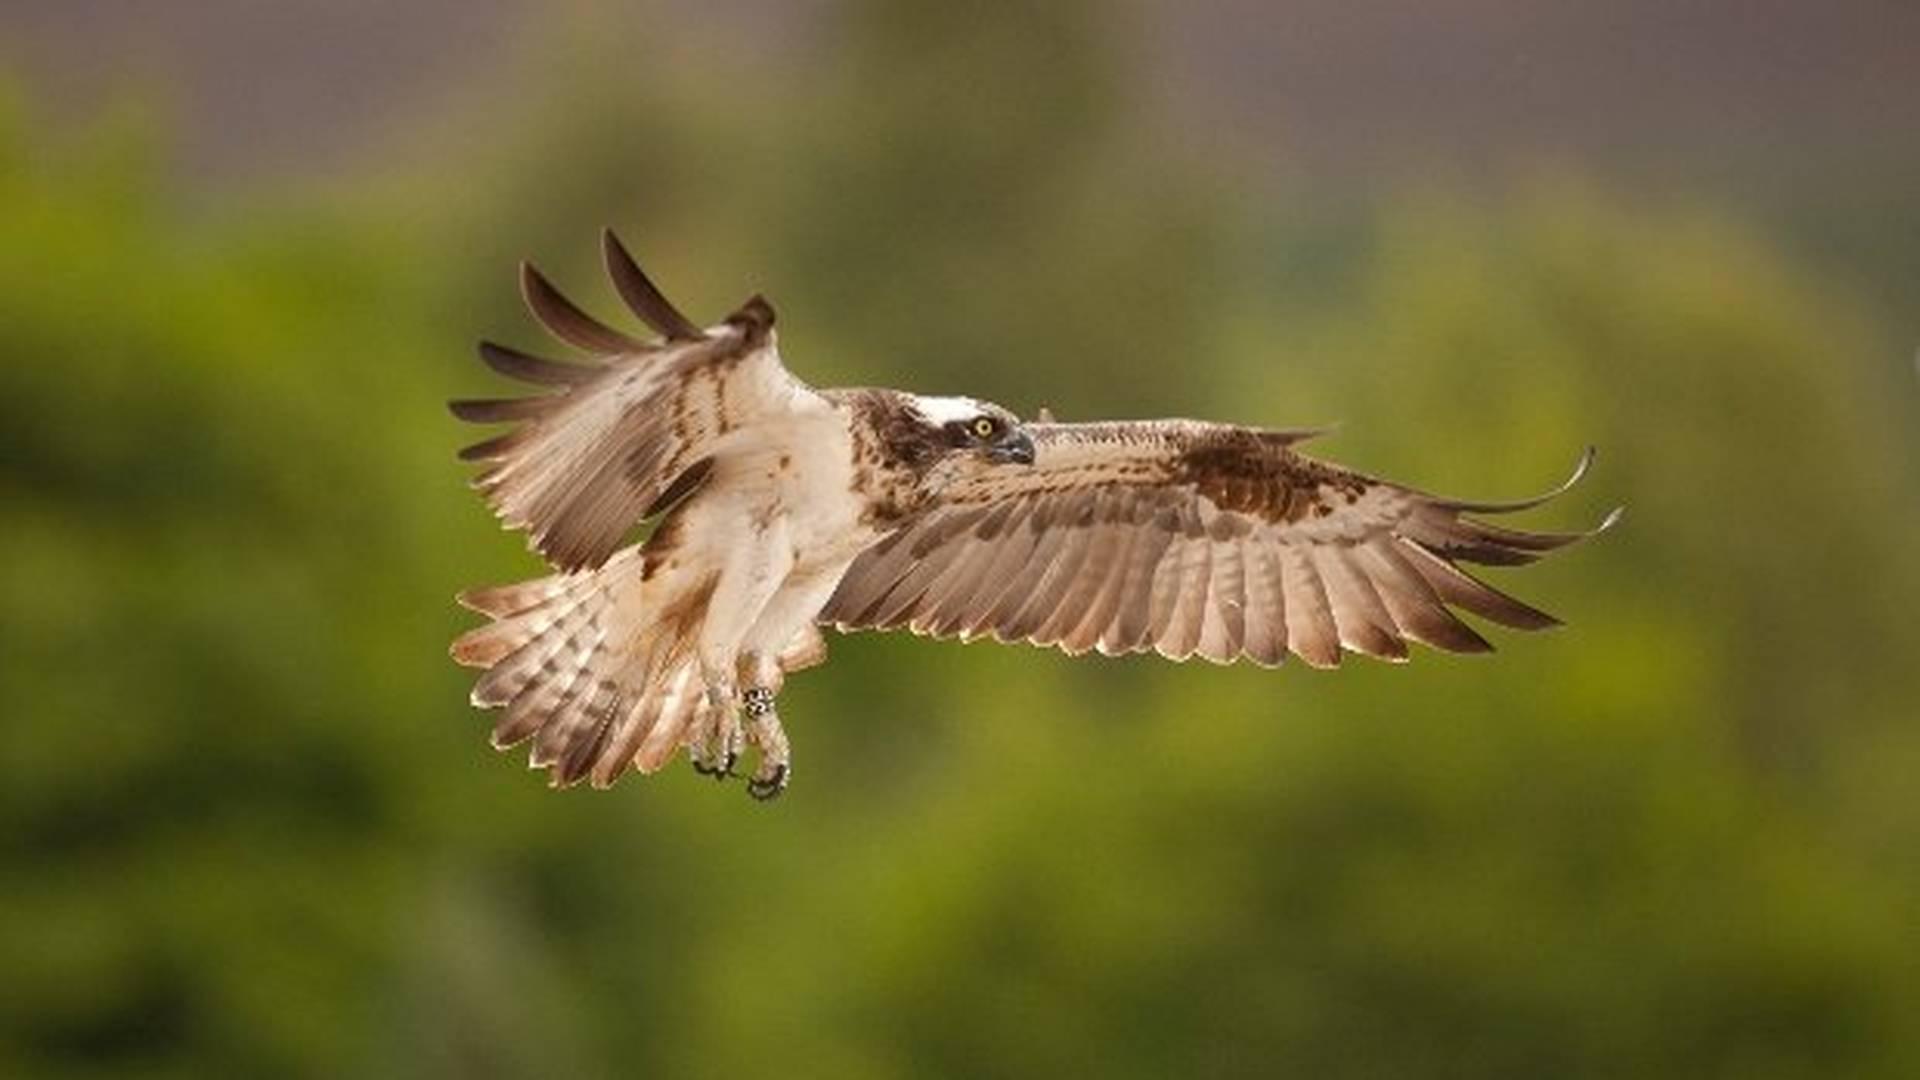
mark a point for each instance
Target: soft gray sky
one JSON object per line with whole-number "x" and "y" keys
{"x": 1338, "y": 87}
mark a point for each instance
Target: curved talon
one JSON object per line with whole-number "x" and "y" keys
{"x": 764, "y": 789}
{"x": 724, "y": 770}
{"x": 716, "y": 744}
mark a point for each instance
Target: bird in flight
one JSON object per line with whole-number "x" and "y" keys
{"x": 780, "y": 510}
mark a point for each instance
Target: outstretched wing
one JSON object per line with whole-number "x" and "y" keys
{"x": 1185, "y": 537}
{"x": 615, "y": 441}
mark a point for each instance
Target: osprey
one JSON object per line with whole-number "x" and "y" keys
{"x": 781, "y": 509}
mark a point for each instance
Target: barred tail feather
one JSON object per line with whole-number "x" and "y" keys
{"x": 595, "y": 668}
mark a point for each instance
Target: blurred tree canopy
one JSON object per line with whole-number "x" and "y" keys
{"x": 251, "y": 827}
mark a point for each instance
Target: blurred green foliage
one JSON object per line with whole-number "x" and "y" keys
{"x": 250, "y": 826}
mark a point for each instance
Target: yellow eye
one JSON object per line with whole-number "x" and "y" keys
{"x": 984, "y": 427}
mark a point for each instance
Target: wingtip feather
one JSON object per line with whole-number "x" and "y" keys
{"x": 641, "y": 295}
{"x": 515, "y": 364}
{"x": 567, "y": 320}
{"x": 1509, "y": 506}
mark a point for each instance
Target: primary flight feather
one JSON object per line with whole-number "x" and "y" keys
{"x": 782, "y": 509}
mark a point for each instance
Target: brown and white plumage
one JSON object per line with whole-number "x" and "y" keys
{"x": 1189, "y": 538}
{"x": 781, "y": 509}
{"x": 603, "y": 450}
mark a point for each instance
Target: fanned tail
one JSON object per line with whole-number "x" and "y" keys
{"x": 596, "y": 668}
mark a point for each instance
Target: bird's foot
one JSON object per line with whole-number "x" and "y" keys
{"x": 768, "y": 784}
{"x": 718, "y": 766}
{"x": 715, "y": 747}
{"x": 767, "y": 736}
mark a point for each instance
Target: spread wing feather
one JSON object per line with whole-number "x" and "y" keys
{"x": 1189, "y": 538}
{"x": 617, "y": 440}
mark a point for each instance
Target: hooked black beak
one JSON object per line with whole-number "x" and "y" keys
{"x": 1016, "y": 448}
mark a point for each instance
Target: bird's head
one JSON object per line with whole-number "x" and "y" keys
{"x": 977, "y": 429}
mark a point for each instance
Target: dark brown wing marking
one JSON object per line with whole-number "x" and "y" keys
{"x": 1190, "y": 538}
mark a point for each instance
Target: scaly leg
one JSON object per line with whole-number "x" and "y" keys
{"x": 766, "y": 734}
{"x": 784, "y": 639}
{"x": 758, "y": 560}
{"x": 761, "y": 675}
{"x": 715, "y": 742}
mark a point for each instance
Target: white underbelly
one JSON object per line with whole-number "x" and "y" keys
{"x": 789, "y": 501}
{"x": 804, "y": 474}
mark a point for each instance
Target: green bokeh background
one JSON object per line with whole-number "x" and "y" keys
{"x": 249, "y": 826}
